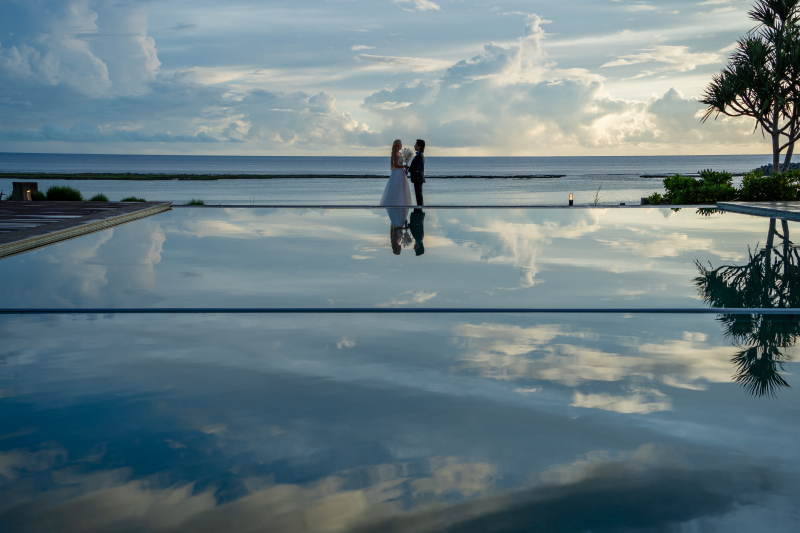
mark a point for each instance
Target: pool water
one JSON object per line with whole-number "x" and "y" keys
{"x": 436, "y": 422}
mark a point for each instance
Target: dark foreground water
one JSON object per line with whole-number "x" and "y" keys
{"x": 494, "y": 422}
{"x": 609, "y": 180}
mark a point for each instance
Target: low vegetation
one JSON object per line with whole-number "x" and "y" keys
{"x": 63, "y": 193}
{"x": 195, "y": 202}
{"x": 776, "y": 187}
{"x": 133, "y": 199}
{"x": 99, "y": 197}
{"x": 38, "y": 196}
{"x": 714, "y": 187}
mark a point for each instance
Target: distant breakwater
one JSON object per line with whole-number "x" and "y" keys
{"x": 32, "y": 176}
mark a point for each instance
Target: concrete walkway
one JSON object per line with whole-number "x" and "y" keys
{"x": 26, "y": 226}
{"x": 784, "y": 210}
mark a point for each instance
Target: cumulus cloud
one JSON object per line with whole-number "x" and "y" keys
{"x": 99, "y": 48}
{"x": 88, "y": 72}
{"x": 512, "y": 98}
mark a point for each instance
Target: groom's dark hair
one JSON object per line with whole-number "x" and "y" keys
{"x": 421, "y": 145}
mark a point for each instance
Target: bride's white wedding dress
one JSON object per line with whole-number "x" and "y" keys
{"x": 397, "y": 191}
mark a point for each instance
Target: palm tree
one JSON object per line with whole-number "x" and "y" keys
{"x": 762, "y": 78}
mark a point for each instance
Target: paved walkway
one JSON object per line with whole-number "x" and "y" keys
{"x": 25, "y": 226}
{"x": 784, "y": 210}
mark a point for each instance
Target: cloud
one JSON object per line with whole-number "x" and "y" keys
{"x": 679, "y": 58}
{"x": 102, "y": 50}
{"x": 361, "y": 47}
{"x": 86, "y": 132}
{"x": 641, "y": 6}
{"x": 93, "y": 76}
{"x": 420, "y": 5}
{"x": 413, "y": 64}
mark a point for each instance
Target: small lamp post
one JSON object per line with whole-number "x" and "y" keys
{"x": 570, "y": 199}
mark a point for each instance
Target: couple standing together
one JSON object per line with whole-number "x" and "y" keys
{"x": 397, "y": 196}
{"x": 397, "y": 192}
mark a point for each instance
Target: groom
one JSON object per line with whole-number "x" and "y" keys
{"x": 416, "y": 172}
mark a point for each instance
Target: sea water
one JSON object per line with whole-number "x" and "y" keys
{"x": 609, "y": 180}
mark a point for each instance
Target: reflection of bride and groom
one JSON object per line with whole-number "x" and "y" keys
{"x": 398, "y": 193}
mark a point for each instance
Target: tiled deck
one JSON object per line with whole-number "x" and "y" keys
{"x": 28, "y": 225}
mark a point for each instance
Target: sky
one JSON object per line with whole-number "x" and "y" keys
{"x": 347, "y": 77}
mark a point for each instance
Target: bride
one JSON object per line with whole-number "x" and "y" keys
{"x": 397, "y": 191}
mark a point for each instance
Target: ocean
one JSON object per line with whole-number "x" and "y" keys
{"x": 614, "y": 179}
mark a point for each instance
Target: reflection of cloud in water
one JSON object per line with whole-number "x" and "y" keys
{"x": 105, "y": 500}
{"x": 408, "y": 297}
{"x": 514, "y": 353}
{"x": 650, "y": 489}
{"x": 672, "y": 245}
{"x": 640, "y": 401}
{"x": 521, "y": 243}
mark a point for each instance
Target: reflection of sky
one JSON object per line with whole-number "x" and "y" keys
{"x": 408, "y": 423}
{"x": 300, "y": 258}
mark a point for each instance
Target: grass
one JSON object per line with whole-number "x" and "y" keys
{"x": 63, "y": 193}
{"x": 133, "y": 199}
{"x": 195, "y": 202}
{"x": 596, "y": 199}
{"x": 38, "y": 196}
{"x": 99, "y": 197}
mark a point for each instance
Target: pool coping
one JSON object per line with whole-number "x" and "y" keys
{"x": 783, "y": 210}
{"x": 346, "y": 206}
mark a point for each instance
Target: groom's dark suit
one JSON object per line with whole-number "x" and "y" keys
{"x": 416, "y": 173}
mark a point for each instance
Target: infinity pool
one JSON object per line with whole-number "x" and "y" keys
{"x": 612, "y": 422}
{"x": 508, "y": 258}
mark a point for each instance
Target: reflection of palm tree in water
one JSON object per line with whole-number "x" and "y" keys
{"x": 769, "y": 280}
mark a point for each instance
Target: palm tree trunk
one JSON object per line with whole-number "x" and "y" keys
{"x": 788, "y": 159}
{"x": 776, "y": 137}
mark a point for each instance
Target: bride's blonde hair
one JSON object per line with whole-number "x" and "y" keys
{"x": 395, "y": 149}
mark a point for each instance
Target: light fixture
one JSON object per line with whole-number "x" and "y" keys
{"x": 570, "y": 199}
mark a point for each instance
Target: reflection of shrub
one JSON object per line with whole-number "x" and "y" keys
{"x": 195, "y": 202}
{"x": 63, "y": 193}
{"x": 38, "y": 196}
{"x": 99, "y": 197}
{"x": 133, "y": 199}
{"x": 710, "y": 188}
{"x": 772, "y": 188}
{"x": 708, "y": 211}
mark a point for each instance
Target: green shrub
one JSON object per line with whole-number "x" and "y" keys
{"x": 195, "y": 202}
{"x": 655, "y": 199}
{"x": 63, "y": 193}
{"x": 99, "y": 197}
{"x": 775, "y": 187}
{"x": 38, "y": 196}
{"x": 133, "y": 199}
{"x": 712, "y": 187}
